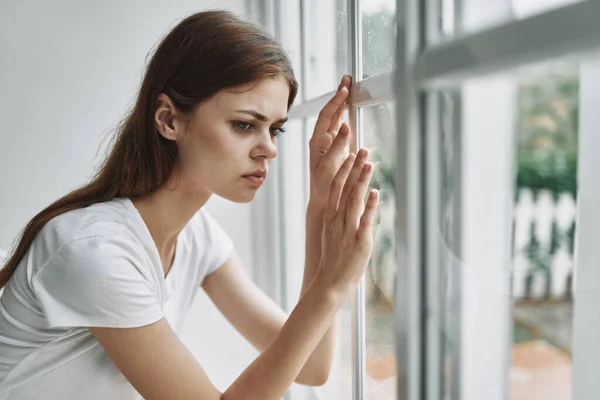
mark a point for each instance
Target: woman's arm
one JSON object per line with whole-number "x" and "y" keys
{"x": 159, "y": 366}
{"x": 258, "y": 318}
{"x": 156, "y": 363}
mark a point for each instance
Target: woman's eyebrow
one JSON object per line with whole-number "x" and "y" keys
{"x": 259, "y": 116}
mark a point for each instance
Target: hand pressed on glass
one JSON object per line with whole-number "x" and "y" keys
{"x": 347, "y": 236}
{"x": 328, "y": 144}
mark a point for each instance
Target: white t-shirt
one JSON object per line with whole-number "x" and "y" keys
{"x": 99, "y": 267}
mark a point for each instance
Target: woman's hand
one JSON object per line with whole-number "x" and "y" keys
{"x": 347, "y": 237}
{"x": 327, "y": 145}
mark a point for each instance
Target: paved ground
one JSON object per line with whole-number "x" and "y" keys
{"x": 540, "y": 371}
{"x": 551, "y": 321}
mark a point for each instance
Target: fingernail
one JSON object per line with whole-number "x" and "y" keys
{"x": 362, "y": 152}
{"x": 373, "y": 193}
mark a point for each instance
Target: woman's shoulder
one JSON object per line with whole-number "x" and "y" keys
{"x": 108, "y": 224}
{"x": 110, "y": 218}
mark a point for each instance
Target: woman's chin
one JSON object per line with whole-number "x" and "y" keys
{"x": 246, "y": 197}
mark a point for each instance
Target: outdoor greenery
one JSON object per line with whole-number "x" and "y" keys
{"x": 547, "y": 131}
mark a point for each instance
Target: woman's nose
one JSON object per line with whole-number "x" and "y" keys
{"x": 266, "y": 147}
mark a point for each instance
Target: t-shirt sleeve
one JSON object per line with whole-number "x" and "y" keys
{"x": 98, "y": 281}
{"x": 220, "y": 246}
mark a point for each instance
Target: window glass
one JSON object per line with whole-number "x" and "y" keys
{"x": 523, "y": 167}
{"x": 378, "y": 36}
{"x": 326, "y": 38}
{"x": 544, "y": 230}
{"x": 378, "y": 123}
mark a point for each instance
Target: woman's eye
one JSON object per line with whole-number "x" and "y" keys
{"x": 277, "y": 131}
{"x": 244, "y": 126}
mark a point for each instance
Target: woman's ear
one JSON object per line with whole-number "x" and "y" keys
{"x": 166, "y": 118}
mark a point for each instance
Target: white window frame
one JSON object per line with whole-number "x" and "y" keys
{"x": 422, "y": 67}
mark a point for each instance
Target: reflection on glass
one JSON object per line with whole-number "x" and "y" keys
{"x": 378, "y": 36}
{"x": 545, "y": 109}
{"x": 326, "y": 36}
{"x": 381, "y": 371}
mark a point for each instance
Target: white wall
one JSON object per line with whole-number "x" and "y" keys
{"x": 69, "y": 70}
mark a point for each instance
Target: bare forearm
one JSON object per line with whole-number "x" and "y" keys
{"x": 272, "y": 373}
{"x": 314, "y": 226}
{"x": 319, "y": 363}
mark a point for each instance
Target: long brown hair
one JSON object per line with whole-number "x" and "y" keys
{"x": 205, "y": 53}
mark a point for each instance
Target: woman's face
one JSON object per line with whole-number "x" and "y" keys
{"x": 230, "y": 140}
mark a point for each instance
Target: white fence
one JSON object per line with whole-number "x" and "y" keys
{"x": 543, "y": 250}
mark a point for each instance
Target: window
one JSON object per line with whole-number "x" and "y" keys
{"x": 378, "y": 37}
{"x": 501, "y": 163}
{"x": 325, "y": 45}
{"x": 508, "y": 156}
{"x": 480, "y": 117}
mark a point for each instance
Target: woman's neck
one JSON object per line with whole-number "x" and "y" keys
{"x": 166, "y": 211}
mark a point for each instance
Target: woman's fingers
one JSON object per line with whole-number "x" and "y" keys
{"x": 327, "y": 114}
{"x": 365, "y": 230}
{"x": 338, "y": 117}
{"x": 321, "y": 139}
{"x": 356, "y": 201}
{"x": 330, "y": 109}
{"x": 337, "y": 148}
{"x": 361, "y": 158}
{"x": 337, "y": 120}
{"x": 337, "y": 185}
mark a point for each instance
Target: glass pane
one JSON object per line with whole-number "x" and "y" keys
{"x": 378, "y": 36}
{"x": 474, "y": 15}
{"x": 507, "y": 191}
{"x": 326, "y": 37}
{"x": 544, "y": 231}
{"x": 381, "y": 371}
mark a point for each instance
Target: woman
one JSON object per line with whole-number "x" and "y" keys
{"x": 101, "y": 279}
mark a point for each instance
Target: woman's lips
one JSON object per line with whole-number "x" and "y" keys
{"x": 257, "y": 180}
